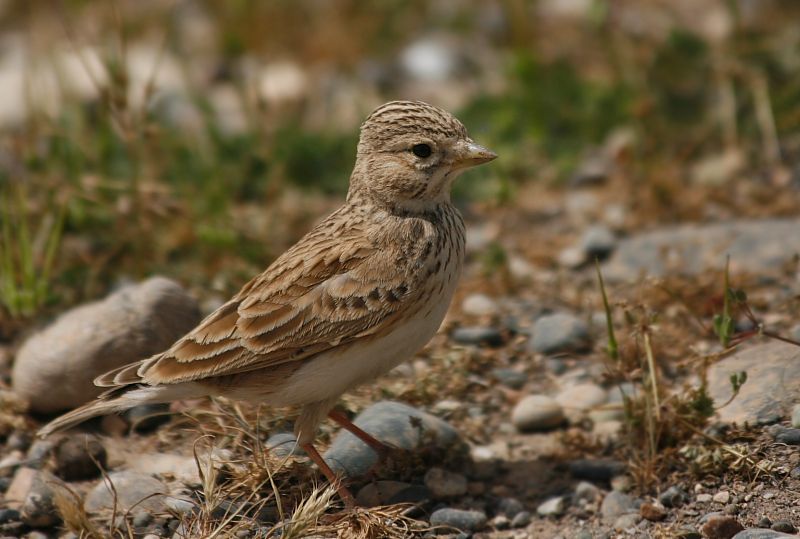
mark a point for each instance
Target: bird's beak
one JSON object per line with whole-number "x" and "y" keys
{"x": 469, "y": 154}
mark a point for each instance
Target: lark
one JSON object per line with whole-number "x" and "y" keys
{"x": 363, "y": 291}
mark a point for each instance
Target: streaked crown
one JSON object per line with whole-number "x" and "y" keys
{"x": 398, "y": 118}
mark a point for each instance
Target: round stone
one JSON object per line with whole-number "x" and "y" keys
{"x": 537, "y": 412}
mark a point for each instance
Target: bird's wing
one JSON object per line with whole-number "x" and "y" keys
{"x": 317, "y": 296}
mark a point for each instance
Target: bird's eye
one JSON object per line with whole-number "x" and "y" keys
{"x": 421, "y": 150}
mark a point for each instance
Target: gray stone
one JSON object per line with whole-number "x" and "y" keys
{"x": 754, "y": 246}
{"x": 760, "y": 533}
{"x": 510, "y": 378}
{"x": 479, "y": 305}
{"x": 521, "y": 519}
{"x": 796, "y": 416}
{"x": 772, "y": 387}
{"x": 626, "y": 521}
{"x": 537, "y": 412}
{"x": 788, "y": 436}
{"x": 552, "y": 507}
{"x": 460, "y": 519}
{"x": 598, "y": 241}
{"x": 445, "y": 484}
{"x": 54, "y": 368}
{"x": 596, "y": 470}
{"x": 582, "y": 396}
{"x": 396, "y": 424}
{"x": 674, "y": 496}
{"x": 130, "y": 489}
{"x": 616, "y": 504}
{"x": 586, "y": 492}
{"x": 79, "y": 456}
{"x": 39, "y": 510}
{"x": 9, "y": 515}
{"x": 560, "y": 333}
{"x": 783, "y": 526}
{"x": 476, "y": 335}
{"x": 510, "y": 507}
{"x": 283, "y": 444}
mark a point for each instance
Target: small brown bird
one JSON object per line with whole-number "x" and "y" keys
{"x": 363, "y": 291}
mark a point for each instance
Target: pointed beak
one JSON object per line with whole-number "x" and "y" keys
{"x": 470, "y": 154}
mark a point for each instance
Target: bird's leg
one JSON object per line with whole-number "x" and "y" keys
{"x": 383, "y": 450}
{"x": 333, "y": 479}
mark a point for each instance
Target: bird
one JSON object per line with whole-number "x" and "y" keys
{"x": 361, "y": 292}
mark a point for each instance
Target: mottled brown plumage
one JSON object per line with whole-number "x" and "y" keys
{"x": 364, "y": 290}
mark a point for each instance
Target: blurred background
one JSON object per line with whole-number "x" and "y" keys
{"x": 199, "y": 139}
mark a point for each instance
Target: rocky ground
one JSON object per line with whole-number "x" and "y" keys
{"x": 515, "y": 421}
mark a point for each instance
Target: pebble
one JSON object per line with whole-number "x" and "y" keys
{"x": 132, "y": 489}
{"x": 537, "y": 412}
{"x": 617, "y": 503}
{"x": 142, "y": 519}
{"x": 510, "y": 507}
{"x": 654, "y": 512}
{"x": 521, "y": 519}
{"x": 673, "y": 497}
{"x": 783, "y": 526}
{"x": 598, "y": 241}
{"x": 764, "y": 522}
{"x": 9, "y": 463}
{"x": 39, "y": 452}
{"x": 788, "y": 437}
{"x": 391, "y": 492}
{"x": 626, "y": 521}
{"x": 596, "y": 470}
{"x": 560, "y": 333}
{"x": 477, "y": 335}
{"x": 479, "y": 305}
{"x": 284, "y": 444}
{"x": 80, "y": 456}
{"x": 723, "y": 497}
{"x": 396, "y": 424}
{"x": 721, "y": 527}
{"x": 445, "y": 484}
{"x": 571, "y": 257}
{"x": 510, "y": 378}
{"x": 55, "y": 367}
{"x": 464, "y": 520}
{"x": 586, "y": 492}
{"x": 703, "y": 498}
{"x": 9, "y": 515}
{"x": 582, "y": 396}
{"x": 756, "y": 533}
{"x": 38, "y": 509}
{"x": 500, "y": 522}
{"x": 552, "y": 507}
{"x": 796, "y": 416}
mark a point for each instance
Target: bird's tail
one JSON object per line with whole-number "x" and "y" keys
{"x": 117, "y": 400}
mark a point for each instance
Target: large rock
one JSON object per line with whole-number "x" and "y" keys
{"x": 396, "y": 424}
{"x": 54, "y": 369}
{"x": 130, "y": 489}
{"x": 772, "y": 387}
{"x": 754, "y": 246}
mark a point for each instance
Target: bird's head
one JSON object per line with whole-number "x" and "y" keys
{"x": 409, "y": 153}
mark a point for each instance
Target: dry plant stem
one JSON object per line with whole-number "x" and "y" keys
{"x": 333, "y": 479}
{"x": 379, "y": 447}
{"x": 651, "y": 366}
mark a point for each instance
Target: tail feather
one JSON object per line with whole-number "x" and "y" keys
{"x": 118, "y": 400}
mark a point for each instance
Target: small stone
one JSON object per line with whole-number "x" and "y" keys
{"x": 147, "y": 417}
{"x": 673, "y": 497}
{"x": 571, "y": 257}
{"x": 510, "y": 378}
{"x": 9, "y": 463}
{"x": 35, "y": 534}
{"x": 796, "y": 416}
{"x": 788, "y": 437}
{"x": 464, "y": 520}
{"x": 704, "y": 498}
{"x": 596, "y": 470}
{"x": 552, "y": 507}
{"x": 444, "y": 484}
{"x": 654, "y": 512}
{"x": 598, "y": 242}
{"x": 54, "y": 368}
{"x": 626, "y": 521}
{"x": 765, "y": 522}
{"x": 18, "y": 441}
{"x": 560, "y": 333}
{"x": 721, "y": 527}
{"x": 617, "y": 503}
{"x": 586, "y": 492}
{"x": 621, "y": 483}
{"x": 688, "y": 533}
{"x": 510, "y": 507}
{"x": 20, "y": 486}
{"x": 582, "y": 396}
{"x": 141, "y": 519}
{"x": 723, "y": 497}
{"x": 479, "y": 305}
{"x": 477, "y": 335}
{"x": 500, "y": 522}
{"x": 783, "y": 526}
{"x": 38, "y": 510}
{"x": 283, "y": 444}
{"x": 537, "y": 412}
{"x": 131, "y": 488}
{"x": 398, "y": 425}
{"x": 521, "y": 519}
{"x": 79, "y": 457}
{"x": 39, "y": 452}
{"x": 9, "y": 515}
{"x": 757, "y": 533}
